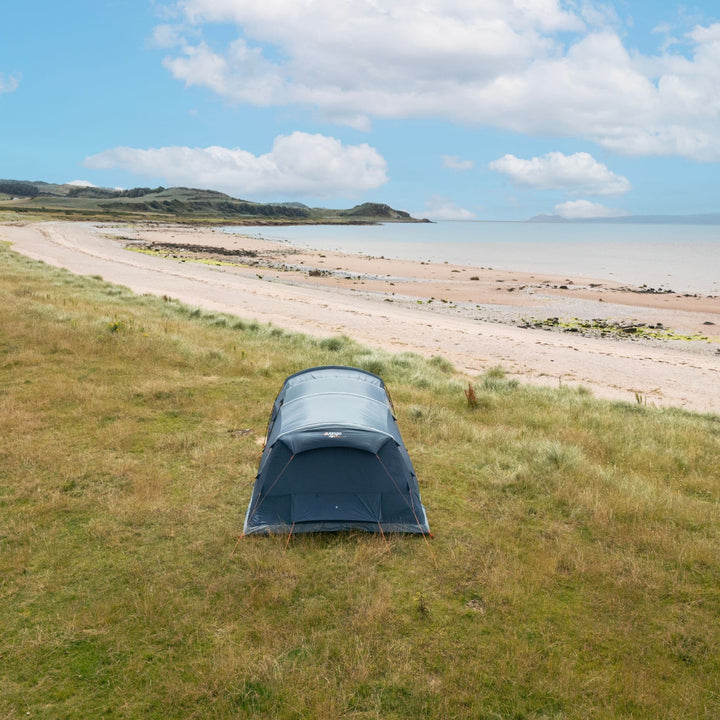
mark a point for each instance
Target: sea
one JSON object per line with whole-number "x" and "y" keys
{"x": 684, "y": 258}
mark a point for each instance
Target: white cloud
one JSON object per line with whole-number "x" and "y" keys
{"x": 298, "y": 164}
{"x": 243, "y": 75}
{"x": 453, "y": 162}
{"x": 578, "y": 174}
{"x": 8, "y": 85}
{"x": 167, "y": 36}
{"x": 541, "y": 67}
{"x": 584, "y": 209}
{"x": 81, "y": 183}
{"x": 441, "y": 208}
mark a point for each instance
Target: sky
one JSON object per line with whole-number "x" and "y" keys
{"x": 449, "y": 109}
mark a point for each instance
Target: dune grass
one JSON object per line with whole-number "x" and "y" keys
{"x": 574, "y": 572}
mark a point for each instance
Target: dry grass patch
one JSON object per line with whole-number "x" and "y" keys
{"x": 573, "y": 573}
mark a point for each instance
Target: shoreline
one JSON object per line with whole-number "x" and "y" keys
{"x": 620, "y": 342}
{"x": 487, "y": 294}
{"x": 646, "y": 254}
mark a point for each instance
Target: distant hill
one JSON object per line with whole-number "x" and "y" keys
{"x": 177, "y": 204}
{"x": 376, "y": 210}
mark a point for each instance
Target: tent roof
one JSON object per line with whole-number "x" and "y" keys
{"x": 332, "y": 397}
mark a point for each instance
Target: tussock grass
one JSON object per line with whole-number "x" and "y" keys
{"x": 574, "y": 573}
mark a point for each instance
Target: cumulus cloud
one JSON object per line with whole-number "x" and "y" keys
{"x": 541, "y": 67}
{"x": 442, "y": 208}
{"x": 584, "y": 209}
{"x": 298, "y": 164}
{"x": 9, "y": 84}
{"x": 453, "y": 162}
{"x": 579, "y": 174}
{"x": 81, "y": 183}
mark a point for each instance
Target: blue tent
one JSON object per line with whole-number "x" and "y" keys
{"x": 334, "y": 460}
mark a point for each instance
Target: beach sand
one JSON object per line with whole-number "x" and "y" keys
{"x": 541, "y": 329}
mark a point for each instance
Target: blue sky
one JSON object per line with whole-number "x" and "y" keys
{"x": 476, "y": 109}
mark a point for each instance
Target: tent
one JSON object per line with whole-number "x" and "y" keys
{"x": 334, "y": 459}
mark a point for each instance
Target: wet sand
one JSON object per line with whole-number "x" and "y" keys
{"x": 540, "y": 328}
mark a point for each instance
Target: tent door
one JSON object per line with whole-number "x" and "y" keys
{"x": 349, "y": 507}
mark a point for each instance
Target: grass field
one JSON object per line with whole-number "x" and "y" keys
{"x": 574, "y": 572}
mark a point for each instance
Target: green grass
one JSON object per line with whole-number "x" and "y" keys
{"x": 574, "y": 572}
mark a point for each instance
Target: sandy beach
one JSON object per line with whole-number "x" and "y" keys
{"x": 619, "y": 342}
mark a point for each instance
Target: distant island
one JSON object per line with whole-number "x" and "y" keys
{"x": 178, "y": 204}
{"x": 700, "y": 219}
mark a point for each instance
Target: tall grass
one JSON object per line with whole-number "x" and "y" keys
{"x": 574, "y": 572}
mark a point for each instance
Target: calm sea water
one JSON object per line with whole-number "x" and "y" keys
{"x": 683, "y": 258}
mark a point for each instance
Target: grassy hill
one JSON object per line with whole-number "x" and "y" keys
{"x": 177, "y": 204}
{"x": 574, "y": 572}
